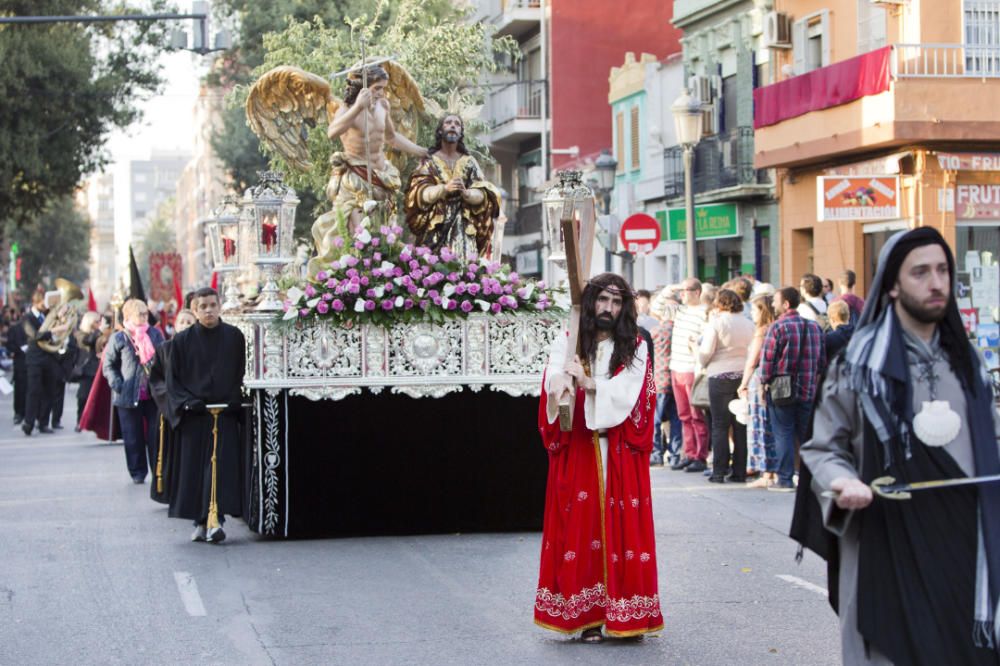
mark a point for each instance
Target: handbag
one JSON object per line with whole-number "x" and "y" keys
{"x": 782, "y": 394}
{"x": 699, "y": 392}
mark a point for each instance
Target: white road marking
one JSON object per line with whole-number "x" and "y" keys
{"x": 795, "y": 580}
{"x": 188, "y": 590}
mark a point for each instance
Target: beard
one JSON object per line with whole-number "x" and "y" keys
{"x": 922, "y": 313}
{"x": 605, "y": 322}
{"x": 452, "y": 137}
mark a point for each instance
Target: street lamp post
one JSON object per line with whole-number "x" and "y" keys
{"x": 605, "y": 166}
{"x": 687, "y": 121}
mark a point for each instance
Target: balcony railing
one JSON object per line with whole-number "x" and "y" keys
{"x": 527, "y": 219}
{"x": 945, "y": 61}
{"x": 516, "y": 101}
{"x": 720, "y": 161}
{"x": 509, "y": 5}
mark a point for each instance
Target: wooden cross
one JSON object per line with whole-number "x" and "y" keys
{"x": 578, "y": 238}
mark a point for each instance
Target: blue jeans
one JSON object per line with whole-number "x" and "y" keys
{"x": 136, "y": 423}
{"x": 667, "y": 408}
{"x": 790, "y": 425}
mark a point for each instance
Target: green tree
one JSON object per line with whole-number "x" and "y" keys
{"x": 159, "y": 236}
{"x": 65, "y": 87}
{"x": 433, "y": 39}
{"x": 54, "y": 243}
{"x": 237, "y": 147}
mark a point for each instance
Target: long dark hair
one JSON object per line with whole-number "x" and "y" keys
{"x": 626, "y": 330}
{"x": 355, "y": 82}
{"x": 439, "y": 134}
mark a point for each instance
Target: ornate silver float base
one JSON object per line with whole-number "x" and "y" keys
{"x": 321, "y": 361}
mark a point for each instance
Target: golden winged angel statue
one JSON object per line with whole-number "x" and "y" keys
{"x": 381, "y": 104}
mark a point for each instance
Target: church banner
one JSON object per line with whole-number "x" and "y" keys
{"x": 164, "y": 268}
{"x": 857, "y": 198}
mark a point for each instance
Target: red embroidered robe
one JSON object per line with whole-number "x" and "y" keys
{"x": 598, "y": 561}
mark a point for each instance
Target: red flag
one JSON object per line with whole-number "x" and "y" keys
{"x": 177, "y": 294}
{"x": 91, "y": 301}
{"x": 215, "y": 280}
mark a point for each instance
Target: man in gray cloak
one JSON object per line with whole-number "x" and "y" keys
{"x": 919, "y": 579}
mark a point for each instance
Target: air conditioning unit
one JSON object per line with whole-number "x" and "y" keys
{"x": 777, "y": 30}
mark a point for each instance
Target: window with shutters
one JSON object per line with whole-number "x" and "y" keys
{"x": 634, "y": 136}
{"x": 811, "y": 42}
{"x": 982, "y": 34}
{"x": 620, "y": 141}
{"x": 871, "y": 26}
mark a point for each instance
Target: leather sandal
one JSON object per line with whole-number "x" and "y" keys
{"x": 592, "y": 635}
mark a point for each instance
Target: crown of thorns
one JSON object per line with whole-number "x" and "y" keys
{"x": 618, "y": 291}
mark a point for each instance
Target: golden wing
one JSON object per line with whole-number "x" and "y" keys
{"x": 405, "y": 99}
{"x": 281, "y": 107}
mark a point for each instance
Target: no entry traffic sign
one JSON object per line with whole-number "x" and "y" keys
{"x": 640, "y": 234}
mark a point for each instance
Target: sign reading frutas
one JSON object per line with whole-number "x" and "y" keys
{"x": 969, "y": 161}
{"x": 857, "y": 198}
{"x": 710, "y": 222}
{"x": 640, "y": 234}
{"x": 977, "y": 201}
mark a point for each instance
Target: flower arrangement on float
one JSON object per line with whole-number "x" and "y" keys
{"x": 379, "y": 279}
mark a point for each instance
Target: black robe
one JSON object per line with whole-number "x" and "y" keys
{"x": 206, "y": 365}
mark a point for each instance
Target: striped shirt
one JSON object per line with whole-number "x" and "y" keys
{"x": 688, "y": 325}
{"x": 661, "y": 356}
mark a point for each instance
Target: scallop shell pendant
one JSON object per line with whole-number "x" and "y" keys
{"x": 937, "y": 424}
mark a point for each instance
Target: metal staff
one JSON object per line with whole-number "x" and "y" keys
{"x": 368, "y": 148}
{"x": 159, "y": 460}
{"x": 887, "y": 488}
{"x": 116, "y": 306}
{"x": 213, "y": 506}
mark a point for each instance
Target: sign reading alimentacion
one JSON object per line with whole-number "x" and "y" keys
{"x": 857, "y": 198}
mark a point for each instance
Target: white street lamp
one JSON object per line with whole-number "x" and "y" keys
{"x": 271, "y": 218}
{"x": 688, "y": 124}
{"x": 223, "y": 241}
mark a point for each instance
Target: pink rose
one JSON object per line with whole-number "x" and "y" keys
{"x": 369, "y": 305}
{"x": 310, "y": 291}
{"x": 466, "y": 306}
{"x": 337, "y": 305}
{"x": 387, "y": 304}
{"x": 322, "y": 307}
{"x": 321, "y": 276}
{"x": 338, "y": 242}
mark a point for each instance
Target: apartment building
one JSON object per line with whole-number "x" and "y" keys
{"x": 736, "y": 214}
{"x": 640, "y": 92}
{"x": 884, "y": 119}
{"x": 548, "y": 110}
{"x": 199, "y": 190}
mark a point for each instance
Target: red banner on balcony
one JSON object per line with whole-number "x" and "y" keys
{"x": 839, "y": 83}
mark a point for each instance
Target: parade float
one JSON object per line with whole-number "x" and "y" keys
{"x": 392, "y": 387}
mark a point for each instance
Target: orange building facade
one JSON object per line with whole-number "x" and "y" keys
{"x": 885, "y": 116}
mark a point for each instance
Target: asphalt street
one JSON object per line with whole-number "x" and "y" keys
{"x": 93, "y": 572}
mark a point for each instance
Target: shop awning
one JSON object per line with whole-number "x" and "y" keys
{"x": 839, "y": 83}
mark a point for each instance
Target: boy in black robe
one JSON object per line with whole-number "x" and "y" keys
{"x": 163, "y": 452}
{"x": 206, "y": 368}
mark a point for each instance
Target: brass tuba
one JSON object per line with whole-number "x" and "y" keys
{"x": 67, "y": 312}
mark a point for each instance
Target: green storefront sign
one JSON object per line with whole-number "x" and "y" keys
{"x": 710, "y": 221}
